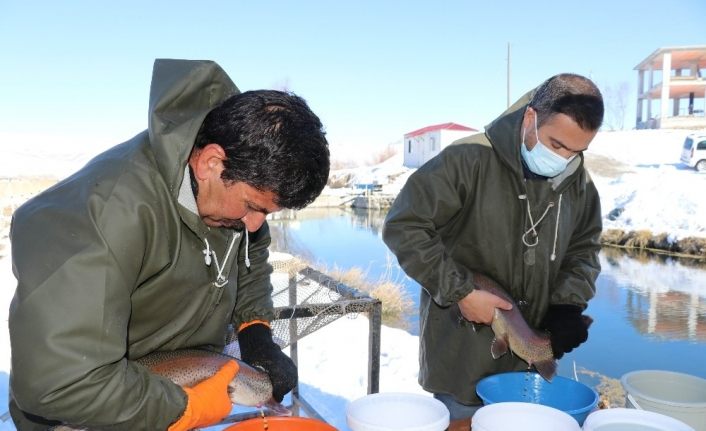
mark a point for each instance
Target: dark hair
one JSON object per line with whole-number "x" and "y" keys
{"x": 273, "y": 142}
{"x": 572, "y": 95}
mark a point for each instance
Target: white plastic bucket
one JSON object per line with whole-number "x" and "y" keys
{"x": 506, "y": 416}
{"x": 681, "y": 396}
{"x": 392, "y": 411}
{"x": 619, "y": 419}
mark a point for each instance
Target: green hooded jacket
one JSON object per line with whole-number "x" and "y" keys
{"x": 110, "y": 266}
{"x": 466, "y": 211}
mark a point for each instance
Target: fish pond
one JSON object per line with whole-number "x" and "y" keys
{"x": 649, "y": 311}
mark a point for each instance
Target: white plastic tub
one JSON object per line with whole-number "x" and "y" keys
{"x": 506, "y": 416}
{"x": 681, "y": 396}
{"x": 397, "y": 411}
{"x": 620, "y": 419}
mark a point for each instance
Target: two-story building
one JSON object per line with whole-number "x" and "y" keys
{"x": 671, "y": 89}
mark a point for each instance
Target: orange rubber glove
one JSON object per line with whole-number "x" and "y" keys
{"x": 207, "y": 402}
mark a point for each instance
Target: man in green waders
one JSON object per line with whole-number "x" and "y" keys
{"x": 516, "y": 204}
{"x": 158, "y": 244}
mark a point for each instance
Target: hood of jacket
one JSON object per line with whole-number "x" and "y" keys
{"x": 182, "y": 93}
{"x": 505, "y": 135}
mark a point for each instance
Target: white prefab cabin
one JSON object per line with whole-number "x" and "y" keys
{"x": 423, "y": 144}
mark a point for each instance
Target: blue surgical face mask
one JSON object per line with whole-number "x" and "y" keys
{"x": 541, "y": 160}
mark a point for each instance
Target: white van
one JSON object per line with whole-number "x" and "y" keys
{"x": 694, "y": 152}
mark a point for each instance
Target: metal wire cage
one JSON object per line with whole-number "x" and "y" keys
{"x": 306, "y": 300}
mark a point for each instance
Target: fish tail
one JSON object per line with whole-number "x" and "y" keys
{"x": 277, "y": 409}
{"x": 546, "y": 368}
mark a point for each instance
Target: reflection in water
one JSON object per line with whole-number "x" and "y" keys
{"x": 369, "y": 218}
{"x": 671, "y": 315}
{"x": 284, "y": 224}
{"x": 666, "y": 297}
{"x": 649, "y": 311}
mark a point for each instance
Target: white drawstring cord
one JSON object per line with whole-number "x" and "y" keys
{"x": 247, "y": 246}
{"x": 556, "y": 228}
{"x": 208, "y": 253}
{"x": 534, "y": 225}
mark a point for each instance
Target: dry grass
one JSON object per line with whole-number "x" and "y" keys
{"x": 644, "y": 240}
{"x": 639, "y": 239}
{"x": 337, "y": 164}
{"x": 610, "y": 391}
{"x": 605, "y": 166}
{"x": 383, "y": 155}
{"x": 396, "y": 303}
{"x": 338, "y": 180}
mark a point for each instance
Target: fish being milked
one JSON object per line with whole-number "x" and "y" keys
{"x": 512, "y": 331}
{"x": 250, "y": 387}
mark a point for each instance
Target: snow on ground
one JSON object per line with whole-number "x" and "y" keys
{"x": 652, "y": 189}
{"x": 636, "y": 172}
{"x": 642, "y": 183}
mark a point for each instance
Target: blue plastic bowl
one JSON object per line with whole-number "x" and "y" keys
{"x": 570, "y": 396}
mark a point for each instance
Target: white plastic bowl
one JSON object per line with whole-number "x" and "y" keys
{"x": 620, "y": 419}
{"x": 397, "y": 411}
{"x": 678, "y": 395}
{"x": 506, "y": 416}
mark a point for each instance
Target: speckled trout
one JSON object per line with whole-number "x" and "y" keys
{"x": 512, "y": 331}
{"x": 250, "y": 387}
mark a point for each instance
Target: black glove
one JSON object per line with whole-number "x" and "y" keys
{"x": 258, "y": 350}
{"x": 567, "y": 327}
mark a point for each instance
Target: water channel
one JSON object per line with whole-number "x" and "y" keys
{"x": 649, "y": 311}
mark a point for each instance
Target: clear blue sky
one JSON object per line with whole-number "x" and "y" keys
{"x": 373, "y": 70}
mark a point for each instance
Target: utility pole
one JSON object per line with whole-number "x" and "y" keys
{"x": 508, "y": 74}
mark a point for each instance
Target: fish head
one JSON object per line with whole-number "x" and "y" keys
{"x": 250, "y": 387}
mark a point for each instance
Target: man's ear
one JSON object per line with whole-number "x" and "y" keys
{"x": 207, "y": 162}
{"x": 527, "y": 120}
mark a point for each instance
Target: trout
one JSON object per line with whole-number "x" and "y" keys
{"x": 250, "y": 386}
{"x": 512, "y": 331}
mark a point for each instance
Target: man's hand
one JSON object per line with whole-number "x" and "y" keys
{"x": 479, "y": 306}
{"x": 567, "y": 327}
{"x": 258, "y": 350}
{"x": 208, "y": 402}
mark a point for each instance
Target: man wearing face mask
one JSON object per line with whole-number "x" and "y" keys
{"x": 515, "y": 204}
